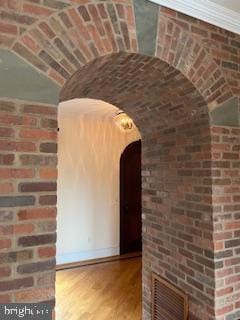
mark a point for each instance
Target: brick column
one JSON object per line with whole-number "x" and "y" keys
{"x": 28, "y": 137}
{"x": 226, "y": 204}
{"x": 177, "y": 214}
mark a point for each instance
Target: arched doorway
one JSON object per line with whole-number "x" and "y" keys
{"x": 173, "y": 120}
{"x": 130, "y": 199}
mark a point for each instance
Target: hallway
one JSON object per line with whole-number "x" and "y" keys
{"x": 107, "y": 291}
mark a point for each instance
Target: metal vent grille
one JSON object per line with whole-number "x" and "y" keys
{"x": 168, "y": 302}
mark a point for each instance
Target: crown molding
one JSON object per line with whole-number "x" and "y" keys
{"x": 207, "y": 11}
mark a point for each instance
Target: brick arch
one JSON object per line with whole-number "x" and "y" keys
{"x": 181, "y": 44}
{"x": 118, "y": 77}
{"x": 62, "y": 43}
{"x": 67, "y": 39}
{"x": 173, "y": 120}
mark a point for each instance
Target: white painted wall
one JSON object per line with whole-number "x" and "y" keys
{"x": 90, "y": 146}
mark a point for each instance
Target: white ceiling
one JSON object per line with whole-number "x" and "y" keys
{"x": 222, "y": 13}
{"x": 89, "y": 108}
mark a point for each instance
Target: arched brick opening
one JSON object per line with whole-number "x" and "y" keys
{"x": 184, "y": 43}
{"x": 173, "y": 120}
{"x": 59, "y": 41}
{"x": 67, "y": 39}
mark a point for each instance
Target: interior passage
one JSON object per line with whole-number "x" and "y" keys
{"x": 106, "y": 291}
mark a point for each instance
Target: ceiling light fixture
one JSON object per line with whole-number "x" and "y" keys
{"x": 124, "y": 122}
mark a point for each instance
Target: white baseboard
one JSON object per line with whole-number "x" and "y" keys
{"x": 87, "y": 255}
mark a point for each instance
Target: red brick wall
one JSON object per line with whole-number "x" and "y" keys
{"x": 226, "y": 217}
{"x": 191, "y": 183}
{"x": 177, "y": 208}
{"x": 191, "y": 217}
{"x": 28, "y": 140}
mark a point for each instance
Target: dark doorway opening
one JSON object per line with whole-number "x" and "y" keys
{"x": 130, "y": 199}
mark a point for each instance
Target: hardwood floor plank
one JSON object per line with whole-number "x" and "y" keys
{"x": 107, "y": 291}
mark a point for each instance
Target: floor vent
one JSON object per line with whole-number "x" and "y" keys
{"x": 168, "y": 302}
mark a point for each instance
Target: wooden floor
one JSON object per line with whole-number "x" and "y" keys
{"x": 106, "y": 291}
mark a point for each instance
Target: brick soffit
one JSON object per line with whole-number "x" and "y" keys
{"x": 207, "y": 11}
